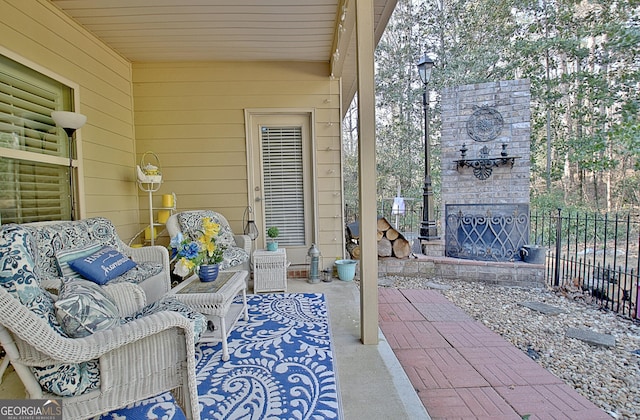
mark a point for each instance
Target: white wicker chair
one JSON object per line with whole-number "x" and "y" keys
{"x": 242, "y": 241}
{"x": 155, "y": 287}
{"x": 138, "y": 360}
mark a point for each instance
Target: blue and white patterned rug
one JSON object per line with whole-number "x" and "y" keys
{"x": 281, "y": 367}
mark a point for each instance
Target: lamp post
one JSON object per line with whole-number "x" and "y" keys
{"x": 70, "y": 122}
{"x": 428, "y": 228}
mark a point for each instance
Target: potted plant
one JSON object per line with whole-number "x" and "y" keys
{"x": 272, "y": 233}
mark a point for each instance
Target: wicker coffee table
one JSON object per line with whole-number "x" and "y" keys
{"x": 215, "y": 301}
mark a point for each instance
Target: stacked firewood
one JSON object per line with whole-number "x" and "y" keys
{"x": 391, "y": 243}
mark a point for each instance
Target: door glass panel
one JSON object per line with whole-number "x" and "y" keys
{"x": 283, "y": 183}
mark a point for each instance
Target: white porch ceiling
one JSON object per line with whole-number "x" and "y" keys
{"x": 230, "y": 30}
{"x": 214, "y": 30}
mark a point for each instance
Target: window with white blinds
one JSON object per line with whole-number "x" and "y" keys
{"x": 32, "y": 188}
{"x": 283, "y": 183}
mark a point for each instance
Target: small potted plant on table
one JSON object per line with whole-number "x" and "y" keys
{"x": 272, "y": 233}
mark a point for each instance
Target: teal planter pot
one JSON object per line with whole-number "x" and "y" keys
{"x": 346, "y": 269}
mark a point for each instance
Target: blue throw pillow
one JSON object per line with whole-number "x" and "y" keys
{"x": 103, "y": 265}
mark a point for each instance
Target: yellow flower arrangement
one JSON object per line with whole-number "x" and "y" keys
{"x": 204, "y": 250}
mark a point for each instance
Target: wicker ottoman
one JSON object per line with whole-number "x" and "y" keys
{"x": 270, "y": 270}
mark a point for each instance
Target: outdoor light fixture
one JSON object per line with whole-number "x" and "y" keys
{"x": 70, "y": 122}
{"x": 425, "y": 65}
{"x": 428, "y": 227}
{"x": 250, "y": 228}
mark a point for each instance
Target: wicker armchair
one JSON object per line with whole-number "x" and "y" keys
{"x": 52, "y": 236}
{"x": 238, "y": 247}
{"x": 137, "y": 360}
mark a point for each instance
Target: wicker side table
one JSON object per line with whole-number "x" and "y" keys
{"x": 215, "y": 301}
{"x": 269, "y": 270}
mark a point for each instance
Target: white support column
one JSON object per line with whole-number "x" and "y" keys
{"x": 367, "y": 172}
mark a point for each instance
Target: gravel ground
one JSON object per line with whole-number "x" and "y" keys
{"x": 609, "y": 377}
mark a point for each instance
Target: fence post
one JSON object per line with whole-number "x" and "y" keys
{"x": 556, "y": 277}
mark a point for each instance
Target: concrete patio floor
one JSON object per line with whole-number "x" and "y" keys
{"x": 372, "y": 383}
{"x": 456, "y": 367}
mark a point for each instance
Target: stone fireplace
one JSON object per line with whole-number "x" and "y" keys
{"x": 485, "y": 170}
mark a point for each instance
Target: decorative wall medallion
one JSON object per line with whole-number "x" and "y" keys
{"x": 485, "y": 124}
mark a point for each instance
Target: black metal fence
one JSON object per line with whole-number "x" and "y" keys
{"x": 596, "y": 253}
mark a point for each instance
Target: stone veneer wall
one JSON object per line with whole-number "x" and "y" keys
{"x": 515, "y": 274}
{"x": 512, "y": 274}
{"x": 506, "y": 185}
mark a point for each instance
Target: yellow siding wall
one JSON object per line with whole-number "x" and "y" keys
{"x": 191, "y": 115}
{"x": 37, "y": 31}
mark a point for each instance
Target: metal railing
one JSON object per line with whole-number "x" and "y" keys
{"x": 593, "y": 252}
{"x": 597, "y": 253}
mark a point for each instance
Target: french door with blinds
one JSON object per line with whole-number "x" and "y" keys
{"x": 283, "y": 180}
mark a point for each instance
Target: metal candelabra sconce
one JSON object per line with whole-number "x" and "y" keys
{"x": 483, "y": 166}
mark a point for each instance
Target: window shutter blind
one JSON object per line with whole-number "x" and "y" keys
{"x": 283, "y": 183}
{"x": 31, "y": 190}
{"x": 25, "y": 110}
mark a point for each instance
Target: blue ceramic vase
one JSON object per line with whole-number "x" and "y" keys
{"x": 208, "y": 272}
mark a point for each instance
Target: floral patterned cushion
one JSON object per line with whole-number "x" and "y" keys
{"x": 64, "y": 238}
{"x": 83, "y": 308}
{"x": 69, "y": 380}
{"x": 191, "y": 225}
{"x": 54, "y": 238}
{"x": 171, "y": 303}
{"x": 233, "y": 256}
{"x": 18, "y": 272}
{"x": 140, "y": 272}
{"x": 18, "y": 276}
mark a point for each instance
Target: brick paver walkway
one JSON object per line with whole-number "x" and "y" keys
{"x": 463, "y": 370}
